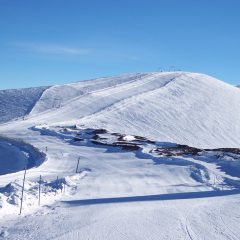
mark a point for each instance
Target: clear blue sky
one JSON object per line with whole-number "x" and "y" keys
{"x": 49, "y": 42}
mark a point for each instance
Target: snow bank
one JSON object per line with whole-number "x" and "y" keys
{"x": 10, "y": 195}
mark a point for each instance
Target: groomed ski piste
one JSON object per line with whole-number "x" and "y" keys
{"x": 137, "y": 156}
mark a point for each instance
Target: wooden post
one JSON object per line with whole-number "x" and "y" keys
{"x": 39, "y": 190}
{"x": 24, "y": 177}
{"x": 77, "y": 165}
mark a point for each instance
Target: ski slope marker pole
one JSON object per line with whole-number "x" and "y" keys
{"x": 39, "y": 190}
{"x": 24, "y": 177}
{"x": 77, "y": 165}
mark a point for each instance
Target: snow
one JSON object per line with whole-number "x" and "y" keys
{"x": 11, "y": 159}
{"x": 10, "y": 195}
{"x": 186, "y": 108}
{"x": 16, "y": 103}
{"x": 15, "y": 155}
{"x": 134, "y": 180}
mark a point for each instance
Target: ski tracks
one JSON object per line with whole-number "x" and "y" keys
{"x": 206, "y": 220}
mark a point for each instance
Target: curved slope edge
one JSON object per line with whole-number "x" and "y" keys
{"x": 15, "y": 155}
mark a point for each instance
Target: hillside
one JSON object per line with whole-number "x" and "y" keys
{"x": 16, "y": 103}
{"x": 139, "y": 156}
{"x": 186, "y": 108}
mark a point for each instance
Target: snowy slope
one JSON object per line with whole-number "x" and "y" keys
{"x": 186, "y": 108}
{"x": 112, "y": 169}
{"x": 191, "y": 109}
{"x": 122, "y": 195}
{"x": 18, "y": 102}
{"x": 61, "y": 95}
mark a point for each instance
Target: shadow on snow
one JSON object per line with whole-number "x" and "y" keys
{"x": 160, "y": 197}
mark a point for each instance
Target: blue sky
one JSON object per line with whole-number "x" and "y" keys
{"x": 58, "y": 41}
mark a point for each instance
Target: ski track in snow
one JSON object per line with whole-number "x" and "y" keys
{"x": 124, "y": 103}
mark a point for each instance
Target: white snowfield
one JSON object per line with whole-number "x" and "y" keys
{"x": 112, "y": 166}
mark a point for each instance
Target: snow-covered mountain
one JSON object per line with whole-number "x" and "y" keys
{"x": 121, "y": 158}
{"x": 186, "y": 108}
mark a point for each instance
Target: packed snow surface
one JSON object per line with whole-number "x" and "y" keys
{"x": 139, "y": 156}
